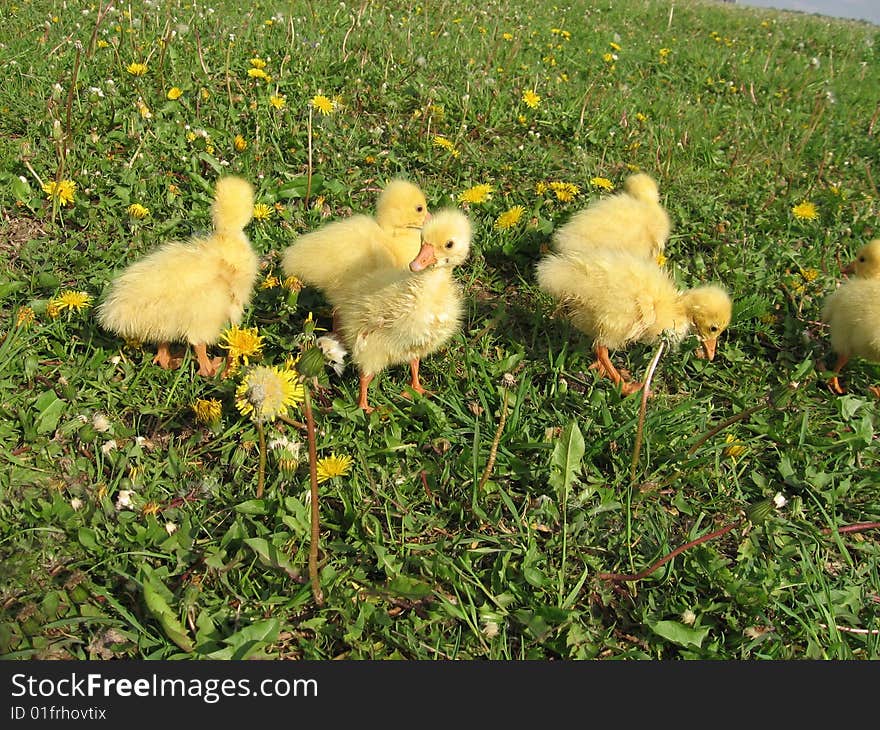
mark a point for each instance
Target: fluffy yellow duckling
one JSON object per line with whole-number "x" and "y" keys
{"x": 336, "y": 254}
{"x": 852, "y": 313}
{"x": 618, "y": 297}
{"x": 189, "y": 291}
{"x": 633, "y": 220}
{"x": 392, "y": 316}
{"x": 866, "y": 264}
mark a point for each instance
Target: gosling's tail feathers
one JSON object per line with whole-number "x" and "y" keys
{"x": 642, "y": 187}
{"x": 233, "y": 204}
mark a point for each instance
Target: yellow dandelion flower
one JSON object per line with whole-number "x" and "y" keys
{"x": 565, "y": 192}
{"x": 509, "y": 218}
{"x": 25, "y": 317}
{"x": 370, "y": 160}
{"x": 258, "y": 62}
{"x": 63, "y": 191}
{"x": 173, "y": 190}
{"x": 174, "y": 93}
{"x": 205, "y": 94}
{"x": 279, "y": 101}
{"x": 602, "y": 182}
{"x": 270, "y": 282}
{"x": 207, "y": 410}
{"x": 333, "y": 466}
{"x": 136, "y": 210}
{"x": 733, "y": 450}
{"x": 531, "y": 99}
{"x": 443, "y": 143}
{"x": 292, "y": 283}
{"x": 69, "y": 300}
{"x": 810, "y": 274}
{"x": 323, "y": 104}
{"x": 103, "y": 44}
{"x": 641, "y": 118}
{"x": 240, "y": 143}
{"x": 805, "y": 211}
{"x": 143, "y": 109}
{"x": 664, "y": 52}
{"x": 151, "y": 508}
{"x": 476, "y": 194}
{"x": 507, "y": 36}
{"x": 614, "y": 46}
{"x": 136, "y": 69}
{"x": 608, "y": 57}
{"x": 267, "y": 392}
{"x": 541, "y": 187}
{"x": 258, "y": 73}
{"x": 242, "y": 344}
{"x": 661, "y": 259}
{"x": 262, "y": 212}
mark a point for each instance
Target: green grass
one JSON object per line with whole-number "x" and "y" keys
{"x": 747, "y": 114}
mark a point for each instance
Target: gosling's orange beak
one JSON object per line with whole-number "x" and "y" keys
{"x": 709, "y": 345}
{"x": 427, "y": 216}
{"x": 425, "y": 258}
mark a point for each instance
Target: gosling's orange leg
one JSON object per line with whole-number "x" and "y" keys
{"x": 163, "y": 356}
{"x": 207, "y": 366}
{"x": 362, "y": 398}
{"x": 834, "y": 383}
{"x": 414, "y": 381}
{"x": 606, "y": 368}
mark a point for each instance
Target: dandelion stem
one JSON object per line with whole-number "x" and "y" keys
{"x": 313, "y": 482}
{"x": 724, "y": 424}
{"x": 642, "y": 411}
{"x": 68, "y": 134}
{"x": 626, "y": 577}
{"x": 493, "y": 452}
{"x": 102, "y": 11}
{"x": 858, "y": 527}
{"x": 261, "y": 477}
{"x": 309, "y": 171}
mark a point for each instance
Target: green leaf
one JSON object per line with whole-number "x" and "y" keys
{"x": 403, "y": 585}
{"x": 87, "y": 538}
{"x": 297, "y": 187}
{"x": 680, "y": 634}
{"x": 10, "y": 287}
{"x": 162, "y": 612}
{"x": 566, "y": 459}
{"x": 252, "y": 507}
{"x": 247, "y": 642}
{"x": 271, "y": 556}
{"x": 49, "y": 409}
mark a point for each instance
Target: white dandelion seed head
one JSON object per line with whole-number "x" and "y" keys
{"x": 688, "y": 617}
{"x": 779, "y": 500}
{"x": 170, "y": 528}
{"x": 123, "y": 499}
{"x": 109, "y": 446}
{"x": 76, "y": 504}
{"x": 100, "y": 423}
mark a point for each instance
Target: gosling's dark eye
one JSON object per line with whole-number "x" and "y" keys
{"x": 419, "y": 209}
{"x": 862, "y": 259}
{"x": 713, "y": 328}
{"x": 450, "y": 244}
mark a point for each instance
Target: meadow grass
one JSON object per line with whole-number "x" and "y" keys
{"x": 129, "y": 528}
